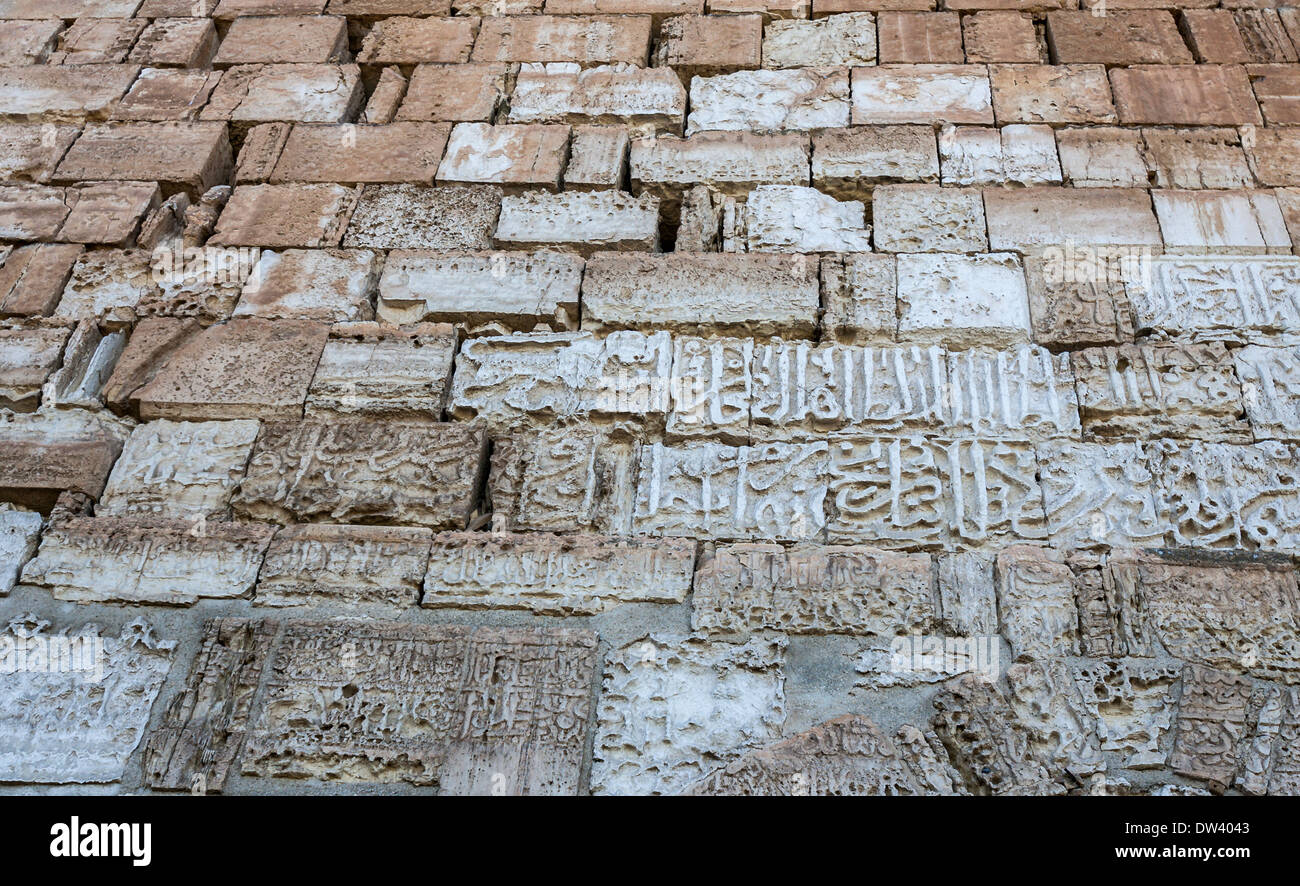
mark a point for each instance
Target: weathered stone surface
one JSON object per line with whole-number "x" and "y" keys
{"x": 674, "y": 709}
{"x": 456, "y": 93}
{"x": 300, "y": 93}
{"x": 582, "y": 222}
{"x": 859, "y": 299}
{"x": 1212, "y": 725}
{"x": 1159, "y": 390}
{"x": 347, "y": 153}
{"x": 515, "y": 289}
{"x": 1275, "y": 87}
{"x": 930, "y": 493}
{"x": 1100, "y": 493}
{"x": 332, "y": 286}
{"x": 364, "y": 471}
{"x": 705, "y": 45}
{"x": 1221, "y": 221}
{"x": 732, "y": 163}
{"x": 1031, "y": 218}
{"x": 1197, "y": 158}
{"x": 151, "y": 341}
{"x": 1001, "y": 36}
{"x": 65, "y": 726}
{"x": 1271, "y": 154}
{"x": 1233, "y": 613}
{"x": 1101, "y": 157}
{"x": 1219, "y": 296}
{"x": 813, "y": 590}
{"x": 148, "y": 560}
{"x": 52, "y": 453}
{"x": 379, "y": 371}
{"x": 835, "y": 40}
{"x": 761, "y": 294}
{"x": 1270, "y": 389}
{"x": 1121, "y": 37}
{"x": 846, "y": 160}
{"x": 179, "y": 469}
{"x": 1051, "y": 94}
{"x": 921, "y": 93}
{"x": 29, "y": 152}
{"x": 32, "y": 278}
{"x": 31, "y": 42}
{"x": 284, "y": 39}
{"x": 54, "y": 93}
{"x": 770, "y": 101}
{"x": 556, "y": 575}
{"x": 772, "y": 491}
{"x": 410, "y": 217}
{"x": 250, "y": 368}
{"x": 586, "y": 39}
{"x": 597, "y": 157}
{"x": 787, "y": 218}
{"x": 505, "y": 155}
{"x": 196, "y": 745}
{"x": 27, "y": 359}
{"x": 19, "y": 531}
{"x": 1185, "y": 95}
{"x": 555, "y": 375}
{"x": 107, "y": 285}
{"x": 176, "y": 42}
{"x": 403, "y": 40}
{"x": 502, "y": 709}
{"x": 1075, "y": 304}
{"x": 987, "y": 743}
{"x": 846, "y": 756}
{"x": 377, "y": 568}
{"x": 928, "y": 218}
{"x": 1021, "y": 392}
{"x": 285, "y": 216}
{"x": 1017, "y": 153}
{"x": 1219, "y": 495}
{"x": 645, "y": 99}
{"x": 962, "y": 300}
{"x": 1036, "y": 606}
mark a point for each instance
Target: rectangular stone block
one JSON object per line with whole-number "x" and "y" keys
{"x": 32, "y": 278}
{"x": 1221, "y": 221}
{"x": 1159, "y": 390}
{"x": 346, "y": 154}
{"x": 586, "y": 39}
{"x": 27, "y": 359}
{"x": 411, "y": 217}
{"x": 1076, "y": 303}
{"x": 250, "y": 368}
{"x": 1185, "y": 95}
{"x": 504, "y": 377}
{"x": 363, "y": 471}
{"x": 404, "y": 40}
{"x": 553, "y": 574}
{"x": 1036, "y": 604}
{"x": 518, "y": 290}
{"x": 859, "y": 299}
{"x": 759, "y": 294}
{"x": 961, "y": 300}
{"x": 1276, "y": 88}
{"x": 1229, "y": 297}
{"x": 794, "y": 219}
{"x": 72, "y": 725}
{"x": 597, "y": 158}
{"x": 731, "y": 163}
{"x": 57, "y": 93}
{"x": 1030, "y": 218}
{"x": 771, "y": 100}
{"x": 846, "y": 162}
{"x": 374, "y": 568}
{"x": 1018, "y": 153}
{"x": 773, "y": 491}
{"x": 928, "y": 218}
{"x": 506, "y": 155}
{"x": 578, "y": 221}
{"x": 1121, "y": 37}
{"x": 930, "y": 493}
{"x": 502, "y": 709}
{"x": 176, "y": 42}
{"x": 832, "y": 589}
{"x": 19, "y": 532}
{"x": 1197, "y": 158}
{"x": 1023, "y": 392}
{"x": 455, "y": 93}
{"x": 644, "y": 99}
{"x": 169, "y": 562}
{"x": 185, "y": 470}
{"x": 922, "y": 93}
{"x": 1270, "y": 387}
{"x": 328, "y": 285}
{"x": 284, "y": 39}
{"x": 298, "y": 93}
{"x": 201, "y": 735}
{"x": 1100, "y": 493}
{"x": 46, "y": 456}
{"x": 706, "y": 45}
{"x": 1102, "y": 157}
{"x": 848, "y": 39}
{"x": 1051, "y": 94}
{"x": 285, "y": 216}
{"x": 379, "y": 371}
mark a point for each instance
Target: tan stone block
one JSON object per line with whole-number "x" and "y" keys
{"x": 919, "y": 37}
{"x": 347, "y": 154}
{"x": 456, "y": 93}
{"x": 377, "y": 371}
{"x": 586, "y": 39}
{"x": 28, "y": 42}
{"x": 1051, "y": 94}
{"x": 517, "y": 154}
{"x": 299, "y": 93}
{"x": 195, "y": 156}
{"x": 284, "y": 39}
{"x": 55, "y": 93}
{"x": 32, "y": 278}
{"x": 597, "y": 158}
{"x": 30, "y": 152}
{"x": 406, "y": 41}
{"x": 413, "y": 217}
{"x": 378, "y": 569}
{"x": 1120, "y": 37}
{"x": 705, "y": 45}
{"x": 328, "y": 285}
{"x": 1200, "y": 95}
{"x": 97, "y": 41}
{"x": 162, "y": 94}
{"x": 176, "y": 43}
{"x": 1277, "y": 88}
{"x": 278, "y": 216}
{"x": 1036, "y": 217}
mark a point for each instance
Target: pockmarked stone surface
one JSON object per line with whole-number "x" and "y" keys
{"x": 79, "y": 724}
{"x": 507, "y": 702}
{"x": 708, "y": 397}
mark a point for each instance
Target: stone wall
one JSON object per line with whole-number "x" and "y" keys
{"x": 649, "y": 396}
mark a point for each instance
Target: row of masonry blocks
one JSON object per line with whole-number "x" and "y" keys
{"x": 654, "y": 99}
{"x": 687, "y": 40}
{"x": 1209, "y": 696}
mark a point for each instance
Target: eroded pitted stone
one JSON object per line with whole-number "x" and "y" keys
{"x": 78, "y": 724}
{"x": 502, "y": 709}
{"x": 673, "y": 709}
{"x": 364, "y": 471}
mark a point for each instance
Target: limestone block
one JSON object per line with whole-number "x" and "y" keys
{"x": 411, "y": 217}
{"x": 644, "y": 99}
{"x": 19, "y": 531}
{"x": 923, "y": 93}
{"x": 848, "y": 39}
{"x": 1100, "y": 493}
{"x": 962, "y": 300}
{"x": 582, "y": 222}
{"x": 379, "y": 371}
{"x": 928, "y": 218}
{"x": 1230, "y": 297}
{"x": 1270, "y": 388}
{"x": 787, "y": 218}
{"x": 770, "y": 100}
{"x": 329, "y": 285}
